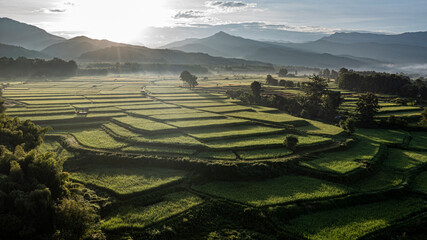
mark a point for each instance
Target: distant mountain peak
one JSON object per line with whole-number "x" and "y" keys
{"x": 28, "y": 36}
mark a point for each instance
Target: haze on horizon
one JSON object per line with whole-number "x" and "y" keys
{"x": 155, "y": 23}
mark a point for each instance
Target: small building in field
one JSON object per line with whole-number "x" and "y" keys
{"x": 81, "y": 110}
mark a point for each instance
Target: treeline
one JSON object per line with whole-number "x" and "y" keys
{"x": 317, "y": 102}
{"x": 36, "y": 68}
{"x": 385, "y": 83}
{"x": 123, "y": 68}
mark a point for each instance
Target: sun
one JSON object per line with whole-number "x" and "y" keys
{"x": 123, "y": 20}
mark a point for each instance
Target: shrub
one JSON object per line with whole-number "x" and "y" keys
{"x": 291, "y": 142}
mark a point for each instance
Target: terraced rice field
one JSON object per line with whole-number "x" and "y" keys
{"x": 346, "y": 160}
{"x": 134, "y": 216}
{"x": 404, "y": 160}
{"x": 169, "y": 120}
{"x": 127, "y": 180}
{"x": 353, "y": 222}
{"x": 274, "y": 191}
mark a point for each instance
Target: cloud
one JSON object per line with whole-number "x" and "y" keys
{"x": 55, "y": 10}
{"x": 189, "y": 14}
{"x": 229, "y": 6}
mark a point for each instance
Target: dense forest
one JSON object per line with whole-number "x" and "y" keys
{"x": 37, "y": 199}
{"x": 36, "y": 68}
{"x": 382, "y": 83}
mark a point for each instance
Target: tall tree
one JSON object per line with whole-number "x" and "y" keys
{"x": 189, "y": 78}
{"x": 283, "y": 72}
{"x": 312, "y": 100}
{"x": 256, "y": 90}
{"x": 366, "y": 108}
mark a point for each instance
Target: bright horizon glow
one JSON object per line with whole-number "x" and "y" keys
{"x": 122, "y": 21}
{"x": 156, "y": 23}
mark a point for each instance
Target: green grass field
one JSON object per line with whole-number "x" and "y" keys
{"x": 97, "y": 138}
{"x": 221, "y": 155}
{"x": 419, "y": 140}
{"x": 344, "y": 161}
{"x": 420, "y": 182}
{"x": 143, "y": 124}
{"x": 127, "y": 180}
{"x": 133, "y": 216}
{"x": 232, "y": 131}
{"x": 380, "y": 181}
{"x": 353, "y": 222}
{"x": 383, "y": 135}
{"x": 274, "y": 191}
{"x": 270, "y": 117}
{"x": 264, "y": 153}
{"x": 316, "y": 127}
{"x": 404, "y": 160}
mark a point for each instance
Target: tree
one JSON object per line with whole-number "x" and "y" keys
{"x": 189, "y": 78}
{"x": 256, "y": 90}
{"x": 283, "y": 72}
{"x": 271, "y": 81}
{"x": 366, "y": 108}
{"x": 348, "y": 125}
{"x": 331, "y": 101}
{"x": 291, "y": 142}
{"x": 312, "y": 99}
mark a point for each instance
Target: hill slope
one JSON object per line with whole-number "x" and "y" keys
{"x": 225, "y": 45}
{"x": 20, "y": 34}
{"x": 140, "y": 54}
{"x": 403, "y": 48}
{"x": 14, "y": 52}
{"x": 73, "y": 48}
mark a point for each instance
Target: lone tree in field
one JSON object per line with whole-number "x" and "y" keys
{"x": 366, "y": 108}
{"x": 189, "y": 78}
{"x": 291, "y": 142}
{"x": 256, "y": 90}
{"x": 283, "y": 72}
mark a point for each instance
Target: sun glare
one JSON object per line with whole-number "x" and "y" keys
{"x": 123, "y": 20}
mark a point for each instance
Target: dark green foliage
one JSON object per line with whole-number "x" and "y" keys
{"x": 271, "y": 81}
{"x": 348, "y": 125}
{"x": 23, "y": 67}
{"x": 283, "y": 72}
{"x": 424, "y": 117}
{"x": 189, "y": 78}
{"x": 2, "y": 106}
{"x": 256, "y": 89}
{"x": 291, "y": 142}
{"x": 15, "y": 132}
{"x": 331, "y": 101}
{"x": 366, "y": 107}
{"x": 381, "y": 83}
{"x": 394, "y": 122}
{"x": 36, "y": 198}
{"x": 312, "y": 100}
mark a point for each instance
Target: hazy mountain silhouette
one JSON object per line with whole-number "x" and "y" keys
{"x": 403, "y": 48}
{"x": 410, "y": 38}
{"x": 20, "y": 34}
{"x": 15, "y": 52}
{"x": 73, "y": 48}
{"x": 130, "y": 53}
{"x": 226, "y": 45}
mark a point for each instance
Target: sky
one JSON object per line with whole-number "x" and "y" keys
{"x": 157, "y": 22}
